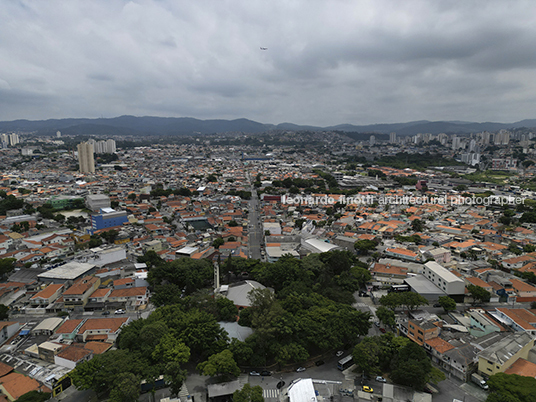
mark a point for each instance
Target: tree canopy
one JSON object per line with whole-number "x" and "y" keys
{"x": 479, "y": 294}
{"x": 511, "y": 388}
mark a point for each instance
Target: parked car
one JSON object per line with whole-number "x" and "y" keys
{"x": 380, "y": 379}
{"x": 319, "y": 362}
{"x": 366, "y": 388}
{"x": 382, "y": 330}
{"x": 377, "y": 323}
{"x": 266, "y": 373}
{"x": 120, "y": 311}
{"x": 300, "y": 369}
{"x": 339, "y": 353}
{"x": 437, "y": 305}
{"x": 106, "y": 312}
{"x": 254, "y": 373}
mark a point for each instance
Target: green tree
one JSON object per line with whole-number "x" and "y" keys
{"x": 220, "y": 364}
{"x": 7, "y": 265}
{"x": 479, "y": 294}
{"x": 126, "y": 388}
{"x": 242, "y": 352}
{"x": 411, "y": 367}
{"x": 417, "y": 225}
{"x": 386, "y": 316}
{"x": 366, "y": 355}
{"x": 186, "y": 273}
{"x": 170, "y": 349}
{"x": 435, "y": 376}
{"x": 94, "y": 241}
{"x": 34, "y": 396}
{"x": 447, "y": 303}
{"x": 4, "y": 312}
{"x": 412, "y": 300}
{"x": 218, "y": 242}
{"x": 529, "y": 248}
{"x": 364, "y": 246}
{"x": 248, "y": 394}
{"x": 109, "y": 235}
{"x": 511, "y": 387}
{"x": 151, "y": 259}
{"x": 226, "y": 310}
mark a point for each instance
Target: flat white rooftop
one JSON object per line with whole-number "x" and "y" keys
{"x": 69, "y": 271}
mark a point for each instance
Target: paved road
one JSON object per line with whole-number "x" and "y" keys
{"x": 255, "y": 229}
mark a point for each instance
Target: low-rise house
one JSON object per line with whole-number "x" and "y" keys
{"x": 402, "y": 254}
{"x": 518, "y": 319}
{"x": 421, "y": 331}
{"x": 14, "y": 385}
{"x": 77, "y": 295}
{"x": 46, "y": 296}
{"x": 523, "y": 368}
{"x": 132, "y": 297}
{"x": 101, "y": 329}
{"x": 47, "y": 351}
{"x": 73, "y": 355}
{"x": 480, "y": 324}
{"x": 523, "y": 289}
{"x": 69, "y": 329}
{"x": 498, "y": 357}
{"x": 440, "y": 255}
{"x": 124, "y": 283}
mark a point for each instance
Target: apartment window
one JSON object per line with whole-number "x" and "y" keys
{"x": 420, "y": 332}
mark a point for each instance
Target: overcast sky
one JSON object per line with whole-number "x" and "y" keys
{"x": 327, "y": 62}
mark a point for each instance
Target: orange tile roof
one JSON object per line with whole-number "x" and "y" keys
{"x": 17, "y": 384}
{"x": 80, "y": 287}
{"x": 402, "y": 251}
{"x": 5, "y": 369}
{"x": 520, "y": 286}
{"x": 123, "y": 281}
{"x": 478, "y": 282}
{"x": 129, "y": 292}
{"x": 47, "y": 292}
{"x": 68, "y": 326}
{"x": 97, "y": 347}
{"x": 523, "y": 368}
{"x": 74, "y": 352}
{"x": 439, "y": 344}
{"x": 100, "y": 292}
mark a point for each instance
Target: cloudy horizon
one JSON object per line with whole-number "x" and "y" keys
{"x": 325, "y": 63}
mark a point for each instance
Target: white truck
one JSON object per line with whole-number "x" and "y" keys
{"x": 478, "y": 380}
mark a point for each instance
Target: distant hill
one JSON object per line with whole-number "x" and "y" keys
{"x": 147, "y": 125}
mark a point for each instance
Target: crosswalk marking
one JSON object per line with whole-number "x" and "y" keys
{"x": 270, "y": 393}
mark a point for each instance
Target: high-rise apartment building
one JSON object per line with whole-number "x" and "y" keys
{"x": 392, "y": 138}
{"x": 85, "y": 157}
{"x": 13, "y": 139}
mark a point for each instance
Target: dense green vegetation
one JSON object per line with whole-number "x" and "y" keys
{"x": 489, "y": 176}
{"x": 406, "y": 361}
{"x": 310, "y": 312}
{"x": 511, "y": 388}
{"x": 407, "y": 300}
{"x": 8, "y": 202}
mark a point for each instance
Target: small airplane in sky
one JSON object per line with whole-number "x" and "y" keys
{"x": 264, "y": 48}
